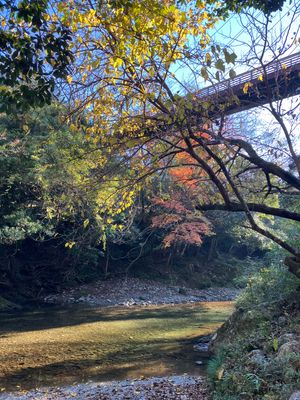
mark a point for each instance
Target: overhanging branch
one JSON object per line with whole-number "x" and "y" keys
{"x": 260, "y": 208}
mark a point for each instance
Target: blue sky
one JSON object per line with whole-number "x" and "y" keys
{"x": 233, "y": 33}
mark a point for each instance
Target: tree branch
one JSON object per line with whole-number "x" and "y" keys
{"x": 260, "y": 208}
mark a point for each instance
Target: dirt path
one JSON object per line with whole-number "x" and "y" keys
{"x": 182, "y": 387}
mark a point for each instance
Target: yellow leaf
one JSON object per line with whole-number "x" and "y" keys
{"x": 118, "y": 62}
{"x": 69, "y": 244}
{"x": 247, "y": 86}
{"x": 220, "y": 373}
{"x": 69, "y": 79}
{"x": 261, "y": 77}
{"x": 284, "y": 66}
{"x": 86, "y": 222}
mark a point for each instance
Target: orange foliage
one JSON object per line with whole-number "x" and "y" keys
{"x": 185, "y": 174}
{"x": 181, "y": 223}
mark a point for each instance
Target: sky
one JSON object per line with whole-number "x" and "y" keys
{"x": 234, "y": 34}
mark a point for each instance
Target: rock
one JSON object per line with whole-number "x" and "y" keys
{"x": 214, "y": 337}
{"x": 199, "y": 362}
{"x": 295, "y": 396}
{"x": 257, "y": 358}
{"x": 289, "y": 347}
{"x": 202, "y": 347}
{"x": 206, "y": 338}
{"x": 203, "y": 343}
{"x": 287, "y": 337}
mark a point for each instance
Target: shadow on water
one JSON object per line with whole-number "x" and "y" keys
{"x": 61, "y": 346}
{"x": 76, "y": 315}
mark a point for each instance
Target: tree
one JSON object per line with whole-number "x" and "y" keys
{"x": 35, "y": 52}
{"x": 125, "y": 85}
{"x": 51, "y": 224}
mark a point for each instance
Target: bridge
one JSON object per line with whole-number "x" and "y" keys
{"x": 274, "y": 81}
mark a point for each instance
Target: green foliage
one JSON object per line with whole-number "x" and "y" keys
{"x": 256, "y": 325}
{"x": 215, "y": 364}
{"x": 44, "y": 168}
{"x": 266, "y": 6}
{"x": 269, "y": 285}
{"x": 20, "y": 202}
{"x": 34, "y": 53}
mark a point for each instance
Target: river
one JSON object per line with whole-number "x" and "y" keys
{"x": 59, "y": 346}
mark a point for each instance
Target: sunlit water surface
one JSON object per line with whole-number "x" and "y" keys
{"x": 68, "y": 345}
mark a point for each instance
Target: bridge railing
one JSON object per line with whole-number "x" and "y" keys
{"x": 272, "y": 67}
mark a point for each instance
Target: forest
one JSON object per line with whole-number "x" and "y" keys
{"x": 149, "y": 199}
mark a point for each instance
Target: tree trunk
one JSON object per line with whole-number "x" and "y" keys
{"x": 293, "y": 264}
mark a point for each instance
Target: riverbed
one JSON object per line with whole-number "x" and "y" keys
{"x": 68, "y": 345}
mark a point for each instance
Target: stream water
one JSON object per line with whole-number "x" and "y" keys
{"x": 67, "y": 345}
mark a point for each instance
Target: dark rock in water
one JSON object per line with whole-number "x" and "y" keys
{"x": 203, "y": 343}
{"x": 202, "y": 347}
{"x": 206, "y": 338}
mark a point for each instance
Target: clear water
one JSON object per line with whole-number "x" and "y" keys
{"x": 67, "y": 345}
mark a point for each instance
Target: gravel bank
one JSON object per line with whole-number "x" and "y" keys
{"x": 133, "y": 291}
{"x": 182, "y": 387}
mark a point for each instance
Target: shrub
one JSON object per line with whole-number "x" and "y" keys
{"x": 268, "y": 285}
{"x": 234, "y": 373}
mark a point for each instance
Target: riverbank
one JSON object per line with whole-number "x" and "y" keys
{"x": 136, "y": 292}
{"x": 182, "y": 387}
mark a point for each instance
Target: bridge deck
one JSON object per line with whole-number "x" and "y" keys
{"x": 270, "y": 72}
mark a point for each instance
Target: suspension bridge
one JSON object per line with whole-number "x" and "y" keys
{"x": 274, "y": 81}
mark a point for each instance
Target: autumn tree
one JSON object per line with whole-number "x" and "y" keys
{"x": 136, "y": 81}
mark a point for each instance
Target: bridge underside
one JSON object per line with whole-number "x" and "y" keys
{"x": 234, "y": 100}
